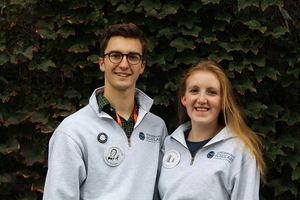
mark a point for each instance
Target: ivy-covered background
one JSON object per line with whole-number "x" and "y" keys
{"x": 49, "y": 51}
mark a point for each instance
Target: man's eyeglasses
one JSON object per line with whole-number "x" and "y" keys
{"x": 117, "y": 57}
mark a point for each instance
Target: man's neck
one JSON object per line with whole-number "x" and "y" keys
{"x": 122, "y": 101}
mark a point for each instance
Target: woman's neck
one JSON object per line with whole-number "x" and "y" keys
{"x": 200, "y": 132}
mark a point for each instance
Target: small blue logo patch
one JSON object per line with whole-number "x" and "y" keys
{"x": 142, "y": 136}
{"x": 210, "y": 154}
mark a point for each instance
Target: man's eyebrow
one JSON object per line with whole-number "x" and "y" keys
{"x": 113, "y": 51}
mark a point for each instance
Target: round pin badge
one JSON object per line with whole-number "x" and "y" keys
{"x": 102, "y": 137}
{"x": 113, "y": 156}
{"x": 171, "y": 159}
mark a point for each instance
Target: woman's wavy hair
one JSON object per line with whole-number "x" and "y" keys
{"x": 231, "y": 114}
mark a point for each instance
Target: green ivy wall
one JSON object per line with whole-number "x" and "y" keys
{"x": 48, "y": 69}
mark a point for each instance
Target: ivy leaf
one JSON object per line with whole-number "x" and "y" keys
{"x": 223, "y": 16}
{"x": 194, "y": 31}
{"x": 296, "y": 174}
{"x": 26, "y": 51}
{"x": 45, "y": 23}
{"x": 150, "y": 4}
{"x": 85, "y": 41}
{"x": 168, "y": 32}
{"x": 277, "y": 32}
{"x": 40, "y": 116}
{"x": 171, "y": 86}
{"x": 165, "y": 11}
{"x": 293, "y": 118}
{"x": 253, "y": 108}
{"x": 33, "y": 155}
{"x": 126, "y": 8}
{"x": 274, "y": 151}
{"x": 281, "y": 187}
{"x": 73, "y": 94}
{"x": 245, "y": 3}
{"x": 294, "y": 71}
{"x": 168, "y": 66}
{"x": 293, "y": 160}
{"x": 288, "y": 141}
{"x": 238, "y": 66}
{"x": 77, "y": 48}
{"x": 175, "y": 74}
{"x": 242, "y": 85}
{"x": 221, "y": 55}
{"x": 219, "y": 25}
{"x": 93, "y": 58}
{"x": 259, "y": 60}
{"x": 208, "y": 36}
{"x": 163, "y": 99}
{"x": 2, "y": 79}
{"x": 22, "y": 2}
{"x": 181, "y": 44}
{"x": 266, "y": 3}
{"x": 46, "y": 33}
{"x": 38, "y": 185}
{"x": 41, "y": 63}
{"x": 47, "y": 128}
{"x": 9, "y": 146}
{"x": 27, "y": 174}
{"x": 114, "y": 2}
{"x": 194, "y": 6}
{"x": 255, "y": 25}
{"x": 65, "y": 31}
{"x": 4, "y": 57}
{"x": 263, "y": 127}
{"x": 273, "y": 110}
{"x": 210, "y": 1}
{"x": 285, "y": 80}
{"x": 232, "y": 46}
{"x": 64, "y": 105}
{"x": 78, "y": 4}
{"x": 16, "y": 119}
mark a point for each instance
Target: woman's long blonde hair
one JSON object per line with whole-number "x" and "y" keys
{"x": 232, "y": 116}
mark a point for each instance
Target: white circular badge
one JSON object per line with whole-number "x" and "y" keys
{"x": 113, "y": 156}
{"x": 171, "y": 159}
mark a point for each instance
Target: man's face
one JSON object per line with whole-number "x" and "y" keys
{"x": 122, "y": 76}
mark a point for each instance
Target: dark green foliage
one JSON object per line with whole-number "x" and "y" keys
{"x": 48, "y": 69}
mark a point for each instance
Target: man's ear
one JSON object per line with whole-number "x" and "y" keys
{"x": 143, "y": 67}
{"x": 101, "y": 64}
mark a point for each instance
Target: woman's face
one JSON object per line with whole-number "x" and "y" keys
{"x": 203, "y": 97}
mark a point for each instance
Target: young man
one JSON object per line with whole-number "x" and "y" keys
{"x": 110, "y": 148}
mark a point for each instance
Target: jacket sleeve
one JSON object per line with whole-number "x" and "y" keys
{"x": 66, "y": 169}
{"x": 247, "y": 181}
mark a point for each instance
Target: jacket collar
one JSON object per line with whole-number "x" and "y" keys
{"x": 144, "y": 102}
{"x": 178, "y": 134}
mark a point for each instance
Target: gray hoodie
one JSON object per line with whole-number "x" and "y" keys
{"x": 221, "y": 170}
{"x": 91, "y": 158}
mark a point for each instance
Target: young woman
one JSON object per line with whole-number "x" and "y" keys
{"x": 213, "y": 154}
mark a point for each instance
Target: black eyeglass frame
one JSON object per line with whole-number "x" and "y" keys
{"x": 108, "y": 54}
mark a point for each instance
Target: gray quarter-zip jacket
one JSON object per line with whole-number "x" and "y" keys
{"x": 78, "y": 167}
{"x": 221, "y": 170}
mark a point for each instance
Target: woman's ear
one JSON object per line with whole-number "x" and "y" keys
{"x": 183, "y": 100}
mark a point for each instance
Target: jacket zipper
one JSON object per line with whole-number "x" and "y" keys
{"x": 192, "y": 158}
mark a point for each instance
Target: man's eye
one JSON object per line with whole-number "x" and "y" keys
{"x": 133, "y": 57}
{"x": 115, "y": 55}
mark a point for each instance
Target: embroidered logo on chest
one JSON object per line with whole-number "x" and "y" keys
{"x": 221, "y": 155}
